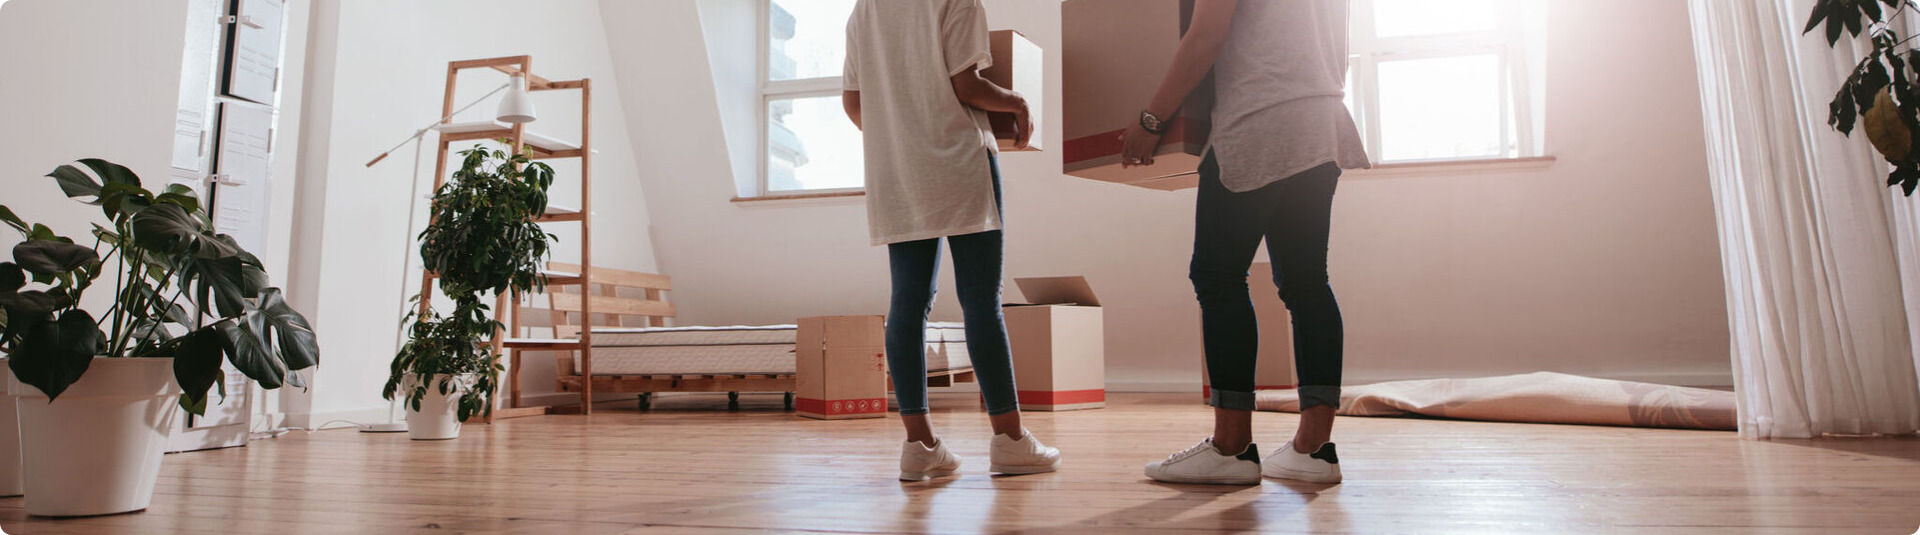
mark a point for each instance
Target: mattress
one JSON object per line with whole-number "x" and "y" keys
{"x": 749, "y": 350}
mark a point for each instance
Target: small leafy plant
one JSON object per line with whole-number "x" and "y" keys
{"x": 483, "y": 239}
{"x": 183, "y": 292}
{"x": 1881, "y": 87}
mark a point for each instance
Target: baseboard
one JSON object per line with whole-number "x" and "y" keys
{"x": 364, "y": 415}
{"x": 1694, "y": 379}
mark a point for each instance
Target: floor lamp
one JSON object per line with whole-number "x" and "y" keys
{"x": 515, "y": 108}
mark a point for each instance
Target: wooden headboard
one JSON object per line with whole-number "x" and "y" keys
{"x": 619, "y": 298}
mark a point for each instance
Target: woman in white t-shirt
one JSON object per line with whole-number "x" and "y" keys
{"x": 1281, "y": 133}
{"x": 913, "y": 86}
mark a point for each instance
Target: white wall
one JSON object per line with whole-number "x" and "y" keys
{"x": 85, "y": 92}
{"x": 1604, "y": 263}
{"x": 377, "y": 74}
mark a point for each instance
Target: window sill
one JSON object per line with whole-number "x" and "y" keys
{"x": 1450, "y": 167}
{"x": 801, "y": 196}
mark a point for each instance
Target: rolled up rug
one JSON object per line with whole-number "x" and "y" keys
{"x": 1540, "y": 397}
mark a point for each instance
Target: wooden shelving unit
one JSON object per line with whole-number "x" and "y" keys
{"x": 541, "y": 147}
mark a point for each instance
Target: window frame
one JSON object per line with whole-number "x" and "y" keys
{"x": 1508, "y": 41}
{"x": 770, "y": 90}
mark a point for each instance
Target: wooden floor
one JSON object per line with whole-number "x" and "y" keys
{"x": 690, "y": 465}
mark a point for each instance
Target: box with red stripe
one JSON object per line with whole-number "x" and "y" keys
{"x": 840, "y": 363}
{"x": 1059, "y": 345}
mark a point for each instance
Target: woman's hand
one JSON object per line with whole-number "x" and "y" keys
{"x": 1137, "y": 146}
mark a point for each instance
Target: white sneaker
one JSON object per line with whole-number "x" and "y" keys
{"x": 1321, "y": 466}
{"x": 1205, "y": 465}
{"x": 919, "y": 462}
{"x": 1024, "y": 456}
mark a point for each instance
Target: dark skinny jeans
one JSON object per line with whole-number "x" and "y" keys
{"x": 1293, "y": 215}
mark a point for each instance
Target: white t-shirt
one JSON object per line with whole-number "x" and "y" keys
{"x": 1280, "y": 81}
{"x": 926, "y": 153}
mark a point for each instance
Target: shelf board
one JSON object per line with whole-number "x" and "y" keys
{"x": 544, "y": 146}
{"x": 557, "y": 213}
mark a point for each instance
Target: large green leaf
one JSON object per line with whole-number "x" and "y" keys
{"x": 7, "y": 216}
{"x": 166, "y": 229}
{"x": 12, "y": 278}
{"x": 127, "y": 199}
{"x": 299, "y": 349}
{"x": 196, "y": 366}
{"x": 248, "y": 347}
{"x": 52, "y": 355}
{"x": 77, "y": 184}
{"x": 110, "y": 172}
{"x": 45, "y": 257}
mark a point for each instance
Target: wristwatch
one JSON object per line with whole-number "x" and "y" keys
{"x": 1151, "y": 123}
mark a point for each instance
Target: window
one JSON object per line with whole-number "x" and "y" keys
{"x": 807, "y": 143}
{"x": 1437, "y": 80}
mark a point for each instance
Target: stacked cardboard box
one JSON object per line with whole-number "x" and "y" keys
{"x": 1114, "y": 54}
{"x": 841, "y": 367}
{"x": 1016, "y": 66}
{"x": 1059, "y": 345}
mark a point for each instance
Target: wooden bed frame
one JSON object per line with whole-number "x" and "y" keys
{"x": 626, "y": 299}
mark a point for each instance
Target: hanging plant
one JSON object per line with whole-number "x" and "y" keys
{"x": 1880, "y": 92}
{"x": 483, "y": 239}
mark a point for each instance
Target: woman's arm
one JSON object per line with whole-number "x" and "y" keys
{"x": 850, "y": 100}
{"x": 984, "y": 95}
{"x": 1205, "y": 36}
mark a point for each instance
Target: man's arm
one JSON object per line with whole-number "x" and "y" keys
{"x": 851, "y": 101}
{"x": 981, "y": 94}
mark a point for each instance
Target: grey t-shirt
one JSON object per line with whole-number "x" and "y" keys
{"x": 1280, "y": 81}
{"x": 926, "y": 153}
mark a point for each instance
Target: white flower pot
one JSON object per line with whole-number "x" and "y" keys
{"x": 97, "y": 449}
{"x": 439, "y": 414}
{"x": 10, "y": 483}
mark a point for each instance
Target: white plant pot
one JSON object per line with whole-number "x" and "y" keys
{"x": 439, "y": 414}
{"x": 10, "y": 483}
{"x": 97, "y": 449}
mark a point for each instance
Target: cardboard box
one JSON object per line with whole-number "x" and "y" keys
{"x": 840, "y": 365}
{"x": 1016, "y": 66}
{"x": 1059, "y": 345}
{"x": 1274, "y": 368}
{"x": 1114, "y": 54}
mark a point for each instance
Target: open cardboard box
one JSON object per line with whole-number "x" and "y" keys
{"x": 840, "y": 367}
{"x": 1059, "y": 345}
{"x": 1016, "y": 66}
{"x": 1113, "y": 55}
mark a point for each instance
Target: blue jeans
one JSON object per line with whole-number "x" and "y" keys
{"x": 1293, "y": 216}
{"x": 977, "y": 272}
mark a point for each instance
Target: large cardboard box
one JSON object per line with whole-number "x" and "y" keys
{"x": 1274, "y": 370}
{"x": 1016, "y": 66}
{"x": 1114, "y": 54}
{"x": 841, "y": 367}
{"x": 1059, "y": 345}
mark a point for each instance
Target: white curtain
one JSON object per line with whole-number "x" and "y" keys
{"x": 1814, "y": 248}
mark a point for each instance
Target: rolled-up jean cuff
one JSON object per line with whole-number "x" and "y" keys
{"x": 910, "y": 412}
{"x": 1224, "y": 399}
{"x": 1313, "y": 396}
{"x": 991, "y": 411}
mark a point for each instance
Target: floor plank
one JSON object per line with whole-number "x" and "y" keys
{"x": 690, "y": 465}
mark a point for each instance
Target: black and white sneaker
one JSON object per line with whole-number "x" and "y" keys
{"x": 1322, "y": 466}
{"x": 1203, "y": 464}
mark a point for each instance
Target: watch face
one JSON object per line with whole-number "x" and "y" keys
{"x": 1148, "y": 121}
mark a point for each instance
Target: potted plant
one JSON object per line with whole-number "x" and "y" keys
{"x": 483, "y": 239}
{"x": 94, "y": 393}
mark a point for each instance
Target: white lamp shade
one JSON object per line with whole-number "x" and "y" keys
{"x": 515, "y": 107}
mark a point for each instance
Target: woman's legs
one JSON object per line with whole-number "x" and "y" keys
{"x": 1297, "y": 244}
{"x": 915, "y": 265}
{"x": 1227, "y": 231}
{"x": 977, "y": 270}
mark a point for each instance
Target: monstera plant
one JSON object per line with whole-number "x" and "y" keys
{"x": 183, "y": 292}
{"x": 483, "y": 239}
{"x": 1880, "y": 90}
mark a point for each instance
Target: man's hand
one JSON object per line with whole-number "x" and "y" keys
{"x": 1137, "y": 145}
